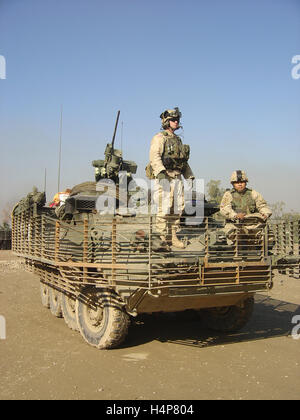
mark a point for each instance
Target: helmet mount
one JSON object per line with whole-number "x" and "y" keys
{"x": 168, "y": 115}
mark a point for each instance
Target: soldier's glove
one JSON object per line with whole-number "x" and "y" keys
{"x": 162, "y": 175}
{"x": 240, "y": 216}
{"x": 164, "y": 181}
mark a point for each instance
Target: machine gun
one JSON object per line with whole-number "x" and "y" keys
{"x": 113, "y": 164}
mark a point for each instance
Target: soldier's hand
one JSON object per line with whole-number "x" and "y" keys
{"x": 162, "y": 175}
{"x": 164, "y": 181}
{"x": 240, "y": 216}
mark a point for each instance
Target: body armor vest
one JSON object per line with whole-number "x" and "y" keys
{"x": 243, "y": 202}
{"x": 176, "y": 154}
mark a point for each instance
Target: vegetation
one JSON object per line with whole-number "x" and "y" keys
{"x": 278, "y": 210}
{"x": 214, "y": 191}
{"x": 5, "y": 226}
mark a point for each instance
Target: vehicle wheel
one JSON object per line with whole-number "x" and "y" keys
{"x": 45, "y": 295}
{"x": 55, "y": 302}
{"x": 68, "y": 309}
{"x": 101, "y": 320}
{"x": 229, "y": 318}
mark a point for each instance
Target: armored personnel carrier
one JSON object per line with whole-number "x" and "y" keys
{"x": 99, "y": 270}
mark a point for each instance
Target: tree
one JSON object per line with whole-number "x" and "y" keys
{"x": 278, "y": 212}
{"x": 5, "y": 226}
{"x": 215, "y": 192}
{"x": 5, "y": 215}
{"x": 277, "y": 209}
{"x": 291, "y": 216}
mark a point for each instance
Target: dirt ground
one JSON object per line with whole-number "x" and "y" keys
{"x": 163, "y": 359}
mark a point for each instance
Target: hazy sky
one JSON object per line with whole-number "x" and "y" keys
{"x": 226, "y": 64}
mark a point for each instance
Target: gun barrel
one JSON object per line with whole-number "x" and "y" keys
{"x": 115, "y": 131}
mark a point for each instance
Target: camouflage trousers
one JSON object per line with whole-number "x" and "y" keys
{"x": 169, "y": 206}
{"x": 252, "y": 234}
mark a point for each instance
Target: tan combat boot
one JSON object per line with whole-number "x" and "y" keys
{"x": 164, "y": 243}
{"x": 175, "y": 241}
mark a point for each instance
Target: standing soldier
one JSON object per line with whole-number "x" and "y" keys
{"x": 168, "y": 162}
{"x": 239, "y": 202}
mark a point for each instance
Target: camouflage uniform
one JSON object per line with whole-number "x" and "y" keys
{"x": 169, "y": 155}
{"x": 247, "y": 202}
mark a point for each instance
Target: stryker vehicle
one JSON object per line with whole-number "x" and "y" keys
{"x": 98, "y": 271}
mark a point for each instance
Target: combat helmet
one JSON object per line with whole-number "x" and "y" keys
{"x": 167, "y": 115}
{"x": 238, "y": 176}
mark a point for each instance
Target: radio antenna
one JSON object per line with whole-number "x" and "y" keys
{"x": 45, "y": 180}
{"x": 59, "y": 155}
{"x": 122, "y": 137}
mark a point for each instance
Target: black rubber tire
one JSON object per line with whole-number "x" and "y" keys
{"x": 55, "y": 302}
{"x": 101, "y": 320}
{"x": 45, "y": 295}
{"x": 68, "y": 308}
{"x": 230, "y": 318}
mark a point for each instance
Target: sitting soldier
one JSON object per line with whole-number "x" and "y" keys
{"x": 239, "y": 204}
